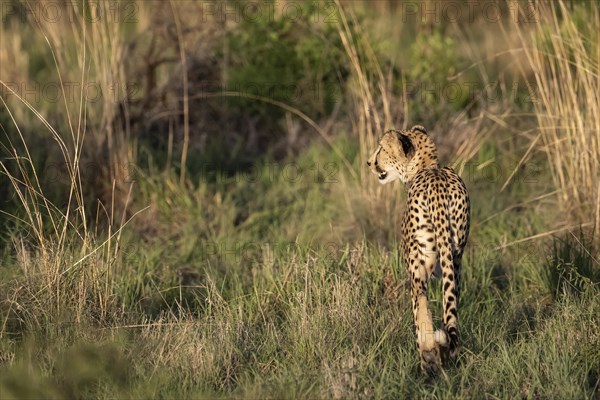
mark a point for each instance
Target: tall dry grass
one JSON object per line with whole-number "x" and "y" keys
{"x": 565, "y": 62}
{"x": 64, "y": 264}
{"x": 82, "y": 51}
{"x": 373, "y": 114}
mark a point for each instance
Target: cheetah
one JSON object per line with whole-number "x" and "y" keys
{"x": 435, "y": 229}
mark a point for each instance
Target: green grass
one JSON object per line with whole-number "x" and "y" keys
{"x": 274, "y": 272}
{"x": 315, "y": 329}
{"x": 282, "y": 305}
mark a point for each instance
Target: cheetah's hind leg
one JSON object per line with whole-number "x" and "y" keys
{"x": 433, "y": 358}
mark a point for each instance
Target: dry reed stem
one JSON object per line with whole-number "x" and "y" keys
{"x": 566, "y": 68}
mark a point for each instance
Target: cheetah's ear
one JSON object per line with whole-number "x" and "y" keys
{"x": 419, "y": 128}
{"x": 407, "y": 145}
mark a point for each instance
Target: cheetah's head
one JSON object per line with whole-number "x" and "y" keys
{"x": 401, "y": 154}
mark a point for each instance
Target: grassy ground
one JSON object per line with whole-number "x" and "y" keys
{"x": 173, "y": 249}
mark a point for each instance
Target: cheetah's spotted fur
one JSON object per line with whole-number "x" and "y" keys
{"x": 435, "y": 229}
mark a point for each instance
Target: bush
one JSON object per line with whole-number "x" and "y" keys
{"x": 296, "y": 61}
{"x": 434, "y": 62}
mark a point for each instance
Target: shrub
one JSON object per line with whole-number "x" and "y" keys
{"x": 296, "y": 61}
